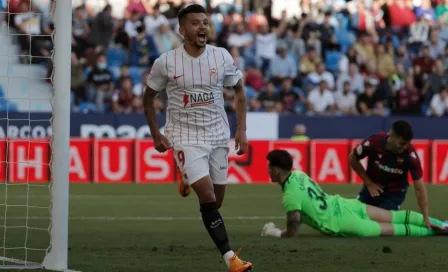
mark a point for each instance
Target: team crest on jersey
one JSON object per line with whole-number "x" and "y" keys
{"x": 198, "y": 99}
{"x": 213, "y": 72}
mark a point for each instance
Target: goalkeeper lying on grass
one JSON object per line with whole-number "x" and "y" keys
{"x": 304, "y": 201}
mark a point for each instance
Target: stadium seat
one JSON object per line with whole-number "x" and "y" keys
{"x": 12, "y": 107}
{"x": 250, "y": 92}
{"x": 2, "y": 92}
{"x": 136, "y": 74}
{"x": 332, "y": 61}
{"x": 116, "y": 56}
{"x": 86, "y": 107}
{"x": 424, "y": 109}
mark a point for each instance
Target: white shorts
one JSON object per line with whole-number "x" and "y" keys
{"x": 196, "y": 162}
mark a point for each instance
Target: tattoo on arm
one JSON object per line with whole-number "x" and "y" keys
{"x": 240, "y": 96}
{"x": 292, "y": 224}
{"x": 150, "y": 111}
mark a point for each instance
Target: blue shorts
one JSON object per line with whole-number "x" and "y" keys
{"x": 386, "y": 200}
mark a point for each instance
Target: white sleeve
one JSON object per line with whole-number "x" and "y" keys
{"x": 231, "y": 72}
{"x": 157, "y": 78}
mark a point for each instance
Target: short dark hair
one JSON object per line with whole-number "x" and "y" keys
{"x": 280, "y": 158}
{"x": 403, "y": 129}
{"x": 193, "y": 8}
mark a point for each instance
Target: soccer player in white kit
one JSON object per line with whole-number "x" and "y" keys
{"x": 197, "y": 128}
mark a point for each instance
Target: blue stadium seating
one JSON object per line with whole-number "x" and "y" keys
{"x": 116, "y": 56}
{"x": 136, "y": 74}
{"x": 332, "y": 61}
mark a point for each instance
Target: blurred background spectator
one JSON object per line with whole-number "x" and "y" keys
{"x": 318, "y": 57}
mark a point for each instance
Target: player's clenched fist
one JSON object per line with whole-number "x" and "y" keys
{"x": 240, "y": 142}
{"x": 161, "y": 143}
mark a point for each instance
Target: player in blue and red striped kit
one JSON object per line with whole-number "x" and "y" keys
{"x": 391, "y": 156}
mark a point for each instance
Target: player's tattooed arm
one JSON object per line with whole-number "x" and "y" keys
{"x": 292, "y": 224}
{"x": 241, "y": 104}
{"x": 150, "y": 112}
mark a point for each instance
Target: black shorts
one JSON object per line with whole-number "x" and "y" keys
{"x": 386, "y": 200}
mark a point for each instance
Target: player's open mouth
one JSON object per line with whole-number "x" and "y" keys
{"x": 202, "y": 37}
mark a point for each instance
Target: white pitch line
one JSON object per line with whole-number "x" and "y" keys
{"x": 144, "y": 218}
{"x": 93, "y": 196}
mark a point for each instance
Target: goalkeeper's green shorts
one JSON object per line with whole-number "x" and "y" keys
{"x": 354, "y": 221}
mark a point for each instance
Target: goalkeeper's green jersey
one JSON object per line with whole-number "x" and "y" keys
{"x": 318, "y": 210}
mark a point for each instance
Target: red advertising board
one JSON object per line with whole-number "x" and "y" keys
{"x": 440, "y": 162}
{"x": 130, "y": 160}
{"x": 152, "y": 166}
{"x": 422, "y": 149}
{"x": 80, "y": 160}
{"x": 329, "y": 161}
{"x": 28, "y": 160}
{"x": 112, "y": 160}
{"x": 3, "y": 145}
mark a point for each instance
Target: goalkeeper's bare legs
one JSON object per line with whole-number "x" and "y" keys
{"x": 404, "y": 223}
{"x": 214, "y": 223}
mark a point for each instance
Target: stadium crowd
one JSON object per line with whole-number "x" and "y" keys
{"x": 325, "y": 57}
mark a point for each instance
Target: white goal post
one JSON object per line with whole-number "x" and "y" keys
{"x": 55, "y": 250}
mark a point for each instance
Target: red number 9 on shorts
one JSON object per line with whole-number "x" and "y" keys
{"x": 181, "y": 157}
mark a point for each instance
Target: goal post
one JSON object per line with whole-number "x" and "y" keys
{"x": 57, "y": 256}
{"x": 34, "y": 169}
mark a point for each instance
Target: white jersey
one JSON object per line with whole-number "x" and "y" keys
{"x": 194, "y": 86}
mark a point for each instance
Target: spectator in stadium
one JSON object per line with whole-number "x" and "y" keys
{"x": 439, "y": 103}
{"x": 143, "y": 49}
{"x": 425, "y": 61}
{"x": 426, "y": 9}
{"x": 154, "y": 20}
{"x": 102, "y": 29}
{"x": 435, "y": 81}
{"x": 436, "y": 45}
{"x": 419, "y": 33}
{"x": 442, "y": 10}
{"x": 385, "y": 62}
{"x": 353, "y": 77}
{"x": 320, "y": 74}
{"x": 122, "y": 99}
{"x": 100, "y": 82}
{"x": 138, "y": 88}
{"x": 268, "y": 97}
{"x": 345, "y": 100}
{"x": 369, "y": 103}
{"x": 407, "y": 99}
{"x": 364, "y": 47}
{"x": 78, "y": 87}
{"x": 290, "y": 96}
{"x": 141, "y": 7}
{"x": 165, "y": 39}
{"x": 255, "y": 105}
{"x": 240, "y": 38}
{"x": 351, "y": 56}
{"x": 80, "y": 32}
{"x": 266, "y": 42}
{"x": 309, "y": 61}
{"x": 283, "y": 66}
{"x": 402, "y": 57}
{"x": 131, "y": 25}
{"x": 321, "y": 100}
{"x": 28, "y": 22}
{"x": 300, "y": 133}
{"x": 397, "y": 80}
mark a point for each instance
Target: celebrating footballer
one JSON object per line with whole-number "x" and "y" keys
{"x": 197, "y": 128}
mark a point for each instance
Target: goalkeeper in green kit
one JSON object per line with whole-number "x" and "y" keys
{"x": 305, "y": 201}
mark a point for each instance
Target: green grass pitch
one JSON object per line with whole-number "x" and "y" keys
{"x": 151, "y": 228}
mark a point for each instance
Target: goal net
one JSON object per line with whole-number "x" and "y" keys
{"x": 35, "y": 50}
